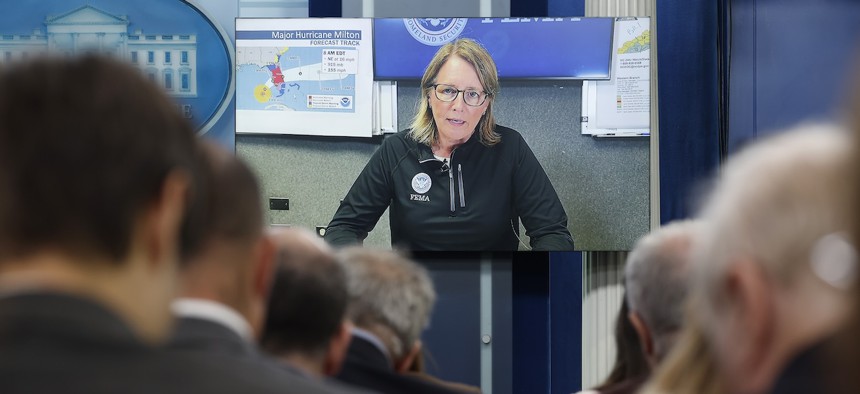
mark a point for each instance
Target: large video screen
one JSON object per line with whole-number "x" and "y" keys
{"x": 295, "y": 73}
{"x": 523, "y": 48}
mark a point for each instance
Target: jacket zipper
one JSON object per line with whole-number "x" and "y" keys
{"x": 451, "y": 185}
{"x": 451, "y": 182}
{"x": 460, "y": 180}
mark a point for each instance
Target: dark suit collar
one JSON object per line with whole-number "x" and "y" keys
{"x": 364, "y": 352}
{"x": 206, "y": 335}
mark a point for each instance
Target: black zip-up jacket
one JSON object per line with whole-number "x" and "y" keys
{"x": 471, "y": 203}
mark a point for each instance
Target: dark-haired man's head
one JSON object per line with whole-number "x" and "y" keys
{"x": 233, "y": 263}
{"x": 96, "y": 171}
{"x": 305, "y": 323}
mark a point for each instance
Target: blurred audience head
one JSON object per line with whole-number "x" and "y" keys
{"x": 844, "y": 353}
{"x": 233, "y": 265}
{"x": 389, "y": 296}
{"x": 772, "y": 264}
{"x": 99, "y": 185}
{"x": 305, "y": 322}
{"x": 657, "y": 279}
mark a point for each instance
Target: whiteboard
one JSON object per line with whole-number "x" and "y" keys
{"x": 621, "y": 106}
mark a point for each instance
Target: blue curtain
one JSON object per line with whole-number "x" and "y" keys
{"x": 688, "y": 93}
{"x": 791, "y": 61}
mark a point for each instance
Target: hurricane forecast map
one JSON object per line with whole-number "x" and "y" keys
{"x": 313, "y": 79}
{"x": 305, "y": 76}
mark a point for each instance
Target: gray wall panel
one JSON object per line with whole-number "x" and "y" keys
{"x": 602, "y": 183}
{"x": 314, "y": 173}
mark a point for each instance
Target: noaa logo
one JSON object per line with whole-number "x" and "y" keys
{"x": 421, "y": 183}
{"x": 344, "y": 102}
{"x": 435, "y": 31}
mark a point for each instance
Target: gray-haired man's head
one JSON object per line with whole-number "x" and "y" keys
{"x": 388, "y": 294}
{"x": 656, "y": 275}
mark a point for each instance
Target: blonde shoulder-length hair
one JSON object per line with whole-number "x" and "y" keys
{"x": 423, "y": 127}
{"x": 691, "y": 365}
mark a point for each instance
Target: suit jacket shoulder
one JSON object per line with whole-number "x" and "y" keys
{"x": 366, "y": 366}
{"x": 219, "y": 344}
{"x": 52, "y": 343}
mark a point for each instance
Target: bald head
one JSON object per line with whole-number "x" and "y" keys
{"x": 298, "y": 245}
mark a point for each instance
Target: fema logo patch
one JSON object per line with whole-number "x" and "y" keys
{"x": 421, "y": 183}
{"x": 435, "y": 31}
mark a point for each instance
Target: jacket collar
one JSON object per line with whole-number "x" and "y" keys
{"x": 424, "y": 153}
{"x": 215, "y": 312}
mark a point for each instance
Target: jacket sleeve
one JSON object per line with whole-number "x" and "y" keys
{"x": 365, "y": 202}
{"x": 537, "y": 203}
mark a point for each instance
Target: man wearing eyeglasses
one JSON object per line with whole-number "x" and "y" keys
{"x": 455, "y": 180}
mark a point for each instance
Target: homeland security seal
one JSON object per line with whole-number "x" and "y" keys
{"x": 435, "y": 31}
{"x": 421, "y": 183}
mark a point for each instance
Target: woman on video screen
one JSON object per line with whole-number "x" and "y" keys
{"x": 455, "y": 180}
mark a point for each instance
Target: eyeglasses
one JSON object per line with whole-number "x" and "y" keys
{"x": 448, "y": 93}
